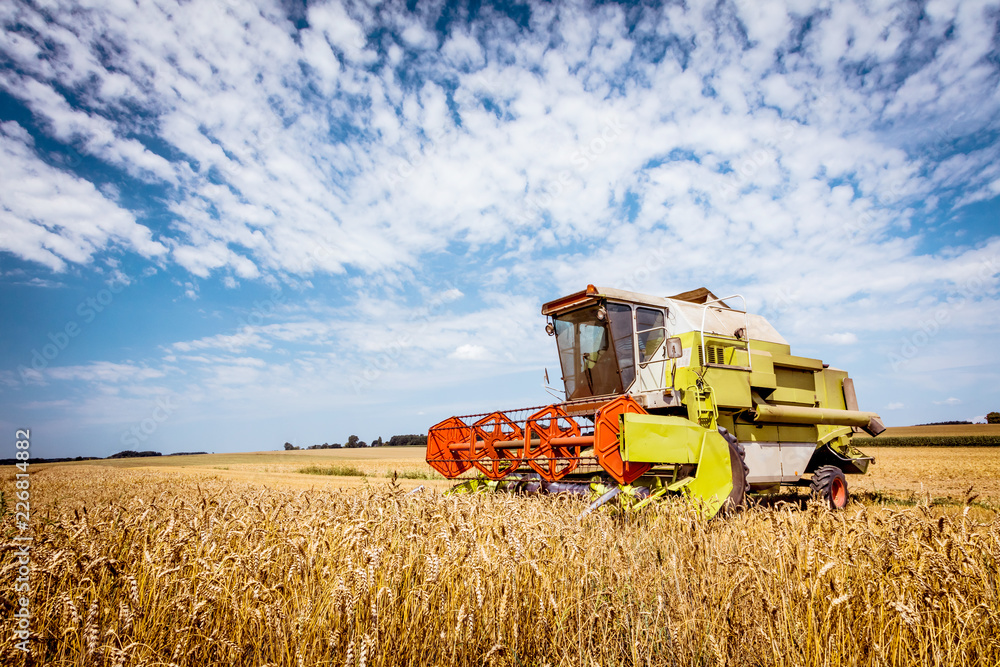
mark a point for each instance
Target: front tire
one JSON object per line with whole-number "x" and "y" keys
{"x": 830, "y": 486}
{"x": 737, "y": 499}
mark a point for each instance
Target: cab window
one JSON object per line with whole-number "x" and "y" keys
{"x": 650, "y": 332}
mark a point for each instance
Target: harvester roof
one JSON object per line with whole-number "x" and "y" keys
{"x": 686, "y": 311}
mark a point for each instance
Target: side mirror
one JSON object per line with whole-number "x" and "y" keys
{"x": 675, "y": 350}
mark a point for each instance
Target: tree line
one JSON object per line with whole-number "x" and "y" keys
{"x": 353, "y": 441}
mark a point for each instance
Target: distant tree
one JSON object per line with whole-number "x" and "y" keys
{"x": 289, "y": 446}
{"x": 951, "y": 423}
{"x": 412, "y": 440}
{"x": 993, "y": 418}
{"x": 377, "y": 442}
{"x": 353, "y": 441}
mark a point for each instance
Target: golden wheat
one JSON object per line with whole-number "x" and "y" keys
{"x": 940, "y": 472}
{"x": 134, "y": 567}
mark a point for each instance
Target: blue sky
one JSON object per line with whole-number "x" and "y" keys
{"x": 227, "y": 224}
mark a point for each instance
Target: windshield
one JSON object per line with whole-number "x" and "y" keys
{"x": 588, "y": 357}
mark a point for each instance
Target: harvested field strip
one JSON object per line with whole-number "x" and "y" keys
{"x": 134, "y": 567}
{"x": 930, "y": 441}
{"x": 941, "y": 429}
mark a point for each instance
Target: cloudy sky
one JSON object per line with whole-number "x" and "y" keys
{"x": 225, "y": 224}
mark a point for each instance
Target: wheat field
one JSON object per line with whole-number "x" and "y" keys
{"x": 934, "y": 430}
{"x": 140, "y": 567}
{"x": 909, "y": 473}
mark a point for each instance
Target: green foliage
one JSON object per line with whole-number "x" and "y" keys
{"x": 411, "y": 440}
{"x": 417, "y": 474}
{"x": 338, "y": 470}
{"x": 130, "y": 454}
{"x": 929, "y": 441}
{"x": 993, "y": 418}
{"x": 478, "y": 485}
{"x": 353, "y": 441}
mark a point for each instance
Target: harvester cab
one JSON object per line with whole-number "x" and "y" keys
{"x": 686, "y": 394}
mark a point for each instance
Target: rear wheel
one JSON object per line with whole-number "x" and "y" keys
{"x": 829, "y": 485}
{"x": 737, "y": 460}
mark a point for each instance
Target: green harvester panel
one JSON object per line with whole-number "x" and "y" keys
{"x": 656, "y": 439}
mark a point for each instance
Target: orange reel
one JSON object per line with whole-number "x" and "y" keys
{"x": 606, "y": 429}
{"x": 550, "y": 461}
{"x": 448, "y": 447}
{"x": 489, "y": 432}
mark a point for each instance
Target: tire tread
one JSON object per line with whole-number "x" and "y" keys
{"x": 819, "y": 487}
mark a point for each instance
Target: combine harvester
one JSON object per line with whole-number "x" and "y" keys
{"x": 683, "y": 394}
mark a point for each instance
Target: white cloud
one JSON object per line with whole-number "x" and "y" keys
{"x": 303, "y": 185}
{"x": 845, "y": 338}
{"x": 344, "y": 32}
{"x": 247, "y": 338}
{"x": 463, "y": 50}
{"x": 450, "y": 294}
{"x": 103, "y": 372}
{"x": 92, "y": 133}
{"x": 51, "y": 217}
{"x": 895, "y": 405}
{"x": 949, "y": 401}
{"x": 416, "y": 36}
{"x": 470, "y": 352}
